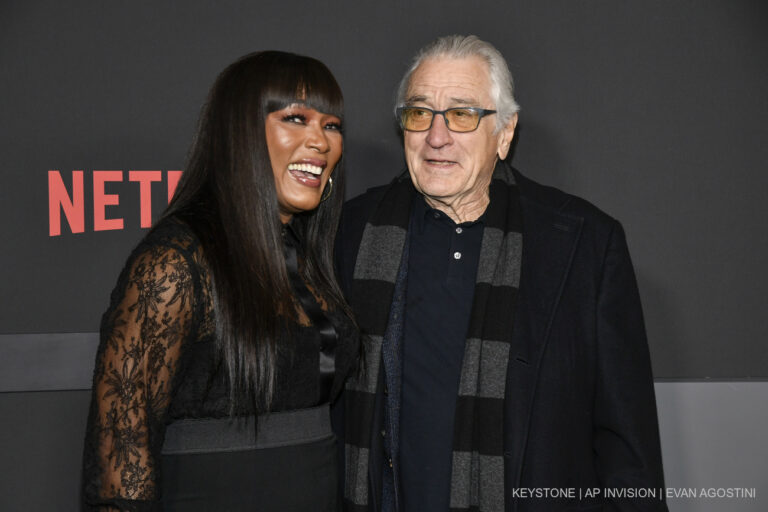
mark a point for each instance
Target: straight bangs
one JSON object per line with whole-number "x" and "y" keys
{"x": 304, "y": 81}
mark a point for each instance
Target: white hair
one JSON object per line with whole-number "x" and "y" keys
{"x": 461, "y": 47}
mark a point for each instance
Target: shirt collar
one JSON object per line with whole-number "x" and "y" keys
{"x": 422, "y": 213}
{"x": 291, "y": 234}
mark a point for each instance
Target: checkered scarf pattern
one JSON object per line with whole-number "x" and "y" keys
{"x": 477, "y": 481}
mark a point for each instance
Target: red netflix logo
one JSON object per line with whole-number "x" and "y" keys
{"x": 73, "y": 205}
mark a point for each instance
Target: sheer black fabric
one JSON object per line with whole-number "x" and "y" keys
{"x": 157, "y": 363}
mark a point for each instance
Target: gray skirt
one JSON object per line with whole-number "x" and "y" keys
{"x": 282, "y": 461}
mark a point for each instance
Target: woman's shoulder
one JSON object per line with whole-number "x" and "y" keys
{"x": 170, "y": 243}
{"x": 171, "y": 233}
{"x": 169, "y": 256}
{"x": 164, "y": 276}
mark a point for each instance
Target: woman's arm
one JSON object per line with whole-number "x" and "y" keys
{"x": 142, "y": 334}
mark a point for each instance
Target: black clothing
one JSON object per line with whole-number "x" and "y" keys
{"x": 157, "y": 363}
{"x": 295, "y": 477}
{"x": 579, "y": 408}
{"x": 441, "y": 285}
{"x": 376, "y": 292}
{"x": 292, "y": 452}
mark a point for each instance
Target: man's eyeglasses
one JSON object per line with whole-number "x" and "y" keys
{"x": 458, "y": 119}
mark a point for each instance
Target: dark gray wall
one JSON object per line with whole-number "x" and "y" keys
{"x": 41, "y": 439}
{"x": 655, "y": 111}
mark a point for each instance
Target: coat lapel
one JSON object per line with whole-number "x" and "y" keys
{"x": 549, "y": 243}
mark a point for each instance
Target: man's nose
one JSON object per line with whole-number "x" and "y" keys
{"x": 439, "y": 135}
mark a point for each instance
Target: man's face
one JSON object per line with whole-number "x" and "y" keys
{"x": 453, "y": 170}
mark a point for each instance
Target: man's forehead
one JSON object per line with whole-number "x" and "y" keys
{"x": 459, "y": 81}
{"x": 458, "y": 100}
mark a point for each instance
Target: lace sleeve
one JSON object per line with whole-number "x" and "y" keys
{"x": 142, "y": 334}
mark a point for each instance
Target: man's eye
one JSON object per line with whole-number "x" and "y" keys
{"x": 419, "y": 113}
{"x": 294, "y": 118}
{"x": 462, "y": 113}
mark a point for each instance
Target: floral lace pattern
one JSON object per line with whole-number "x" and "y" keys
{"x": 157, "y": 363}
{"x": 151, "y": 317}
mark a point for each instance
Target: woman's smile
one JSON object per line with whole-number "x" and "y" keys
{"x": 304, "y": 147}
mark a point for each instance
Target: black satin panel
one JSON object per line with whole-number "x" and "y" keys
{"x": 328, "y": 334}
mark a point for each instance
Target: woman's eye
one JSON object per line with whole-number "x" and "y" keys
{"x": 294, "y": 118}
{"x": 333, "y": 126}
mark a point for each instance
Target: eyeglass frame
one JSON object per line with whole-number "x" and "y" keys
{"x": 481, "y": 111}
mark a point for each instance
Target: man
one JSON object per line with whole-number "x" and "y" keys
{"x": 506, "y": 364}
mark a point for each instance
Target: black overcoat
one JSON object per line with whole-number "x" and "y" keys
{"x": 580, "y": 409}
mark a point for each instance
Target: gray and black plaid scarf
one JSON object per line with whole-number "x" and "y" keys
{"x": 477, "y": 481}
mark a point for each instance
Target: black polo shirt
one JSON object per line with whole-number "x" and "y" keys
{"x": 442, "y": 268}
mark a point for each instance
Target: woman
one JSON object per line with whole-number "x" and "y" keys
{"x": 227, "y": 336}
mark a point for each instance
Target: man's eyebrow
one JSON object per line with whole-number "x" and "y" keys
{"x": 464, "y": 101}
{"x": 454, "y": 101}
{"x": 415, "y": 99}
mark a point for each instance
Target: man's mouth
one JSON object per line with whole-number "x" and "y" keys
{"x": 440, "y": 162}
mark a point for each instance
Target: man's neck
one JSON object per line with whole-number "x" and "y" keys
{"x": 459, "y": 210}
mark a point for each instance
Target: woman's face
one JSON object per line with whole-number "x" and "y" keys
{"x": 304, "y": 147}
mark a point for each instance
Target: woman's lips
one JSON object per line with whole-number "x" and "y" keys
{"x": 307, "y": 172}
{"x": 315, "y": 168}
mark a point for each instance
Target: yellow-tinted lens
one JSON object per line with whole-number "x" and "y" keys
{"x": 416, "y": 119}
{"x": 462, "y": 119}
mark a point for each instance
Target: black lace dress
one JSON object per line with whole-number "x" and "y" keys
{"x": 157, "y": 366}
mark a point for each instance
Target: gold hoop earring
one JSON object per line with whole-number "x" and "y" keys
{"x": 327, "y": 190}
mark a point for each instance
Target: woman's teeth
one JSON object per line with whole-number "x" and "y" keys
{"x": 312, "y": 169}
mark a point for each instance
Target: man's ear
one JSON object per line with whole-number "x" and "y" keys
{"x": 505, "y": 137}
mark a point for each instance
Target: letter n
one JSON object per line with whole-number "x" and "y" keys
{"x": 58, "y": 200}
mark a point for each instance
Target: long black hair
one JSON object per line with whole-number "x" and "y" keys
{"x": 227, "y": 196}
